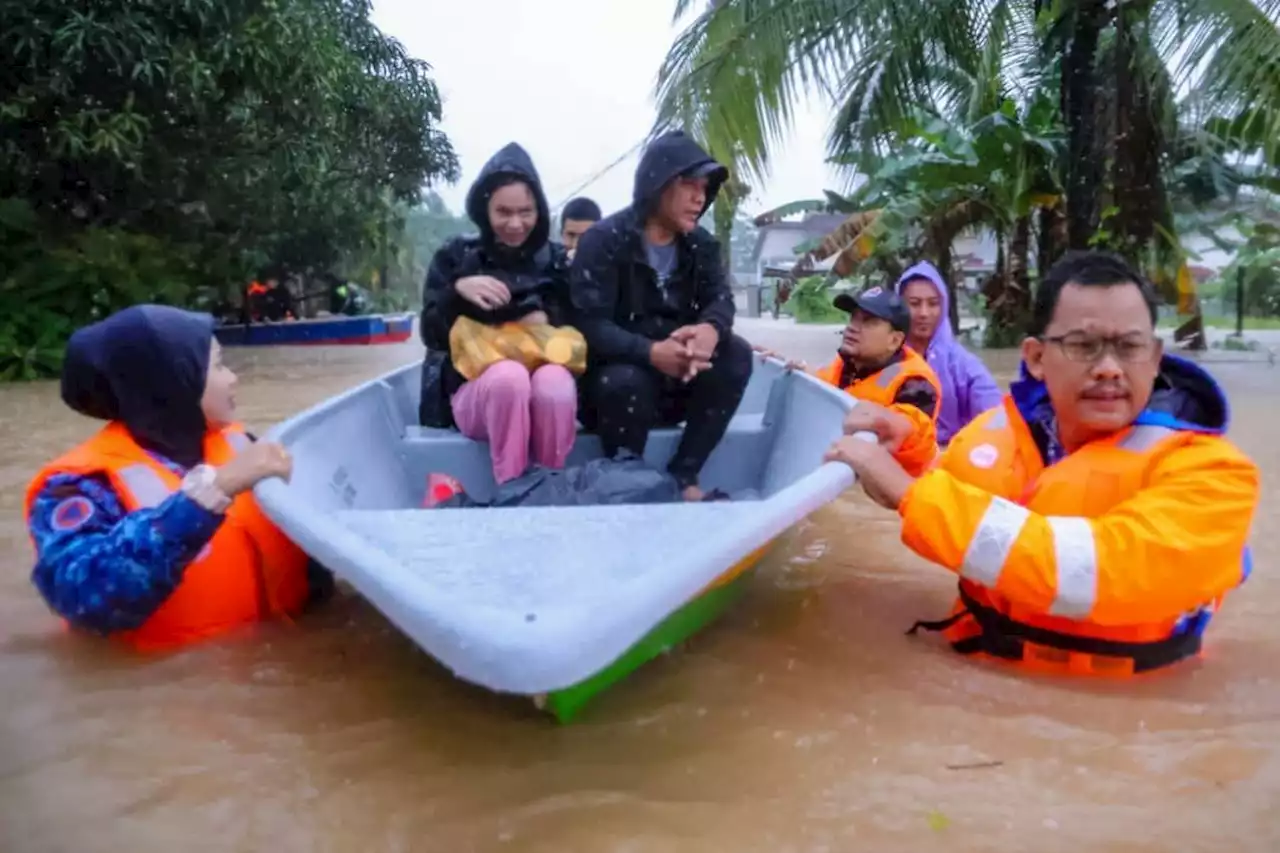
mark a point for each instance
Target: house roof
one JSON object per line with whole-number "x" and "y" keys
{"x": 814, "y": 225}
{"x": 1200, "y": 274}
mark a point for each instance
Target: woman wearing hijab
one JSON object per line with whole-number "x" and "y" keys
{"x": 510, "y": 273}
{"x": 968, "y": 388}
{"x": 148, "y": 532}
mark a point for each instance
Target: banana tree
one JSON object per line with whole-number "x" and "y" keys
{"x": 949, "y": 177}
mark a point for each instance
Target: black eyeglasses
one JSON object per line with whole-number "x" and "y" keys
{"x": 1081, "y": 346}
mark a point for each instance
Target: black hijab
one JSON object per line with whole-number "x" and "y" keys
{"x": 146, "y": 367}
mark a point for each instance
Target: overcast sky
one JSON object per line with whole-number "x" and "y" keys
{"x": 571, "y": 81}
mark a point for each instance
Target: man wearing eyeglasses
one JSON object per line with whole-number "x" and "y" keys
{"x": 1099, "y": 517}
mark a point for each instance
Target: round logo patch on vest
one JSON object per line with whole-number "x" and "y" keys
{"x": 983, "y": 456}
{"x": 72, "y": 514}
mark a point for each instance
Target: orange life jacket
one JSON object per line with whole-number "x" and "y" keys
{"x": 1109, "y": 562}
{"x": 249, "y": 571}
{"x": 881, "y": 388}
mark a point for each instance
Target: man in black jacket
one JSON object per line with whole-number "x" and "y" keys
{"x": 579, "y": 214}
{"x": 652, "y": 299}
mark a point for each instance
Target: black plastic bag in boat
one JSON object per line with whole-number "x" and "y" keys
{"x": 624, "y": 479}
{"x": 433, "y": 404}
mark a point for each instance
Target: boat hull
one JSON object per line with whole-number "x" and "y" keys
{"x": 702, "y": 610}
{"x": 552, "y": 603}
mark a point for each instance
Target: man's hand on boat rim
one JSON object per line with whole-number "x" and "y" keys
{"x": 882, "y": 478}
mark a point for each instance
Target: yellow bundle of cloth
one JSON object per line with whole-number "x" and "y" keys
{"x": 474, "y": 346}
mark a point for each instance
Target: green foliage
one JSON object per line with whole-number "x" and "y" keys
{"x": 1002, "y": 335}
{"x": 428, "y": 227}
{"x": 810, "y": 301}
{"x": 1001, "y": 163}
{"x": 1258, "y": 261}
{"x": 53, "y": 284}
{"x": 945, "y": 177}
{"x": 190, "y": 142}
{"x": 400, "y": 259}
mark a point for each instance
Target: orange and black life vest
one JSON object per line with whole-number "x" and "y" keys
{"x": 248, "y": 572}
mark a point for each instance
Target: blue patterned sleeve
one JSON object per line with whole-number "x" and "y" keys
{"x": 105, "y": 570}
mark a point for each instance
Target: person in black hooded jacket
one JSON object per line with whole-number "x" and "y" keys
{"x": 509, "y": 272}
{"x": 653, "y": 301}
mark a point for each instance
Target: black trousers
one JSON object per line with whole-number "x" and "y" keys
{"x": 622, "y": 402}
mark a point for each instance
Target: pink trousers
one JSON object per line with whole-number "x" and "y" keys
{"x": 517, "y": 413}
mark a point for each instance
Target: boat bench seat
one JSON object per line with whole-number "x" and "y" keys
{"x": 745, "y": 427}
{"x": 737, "y": 461}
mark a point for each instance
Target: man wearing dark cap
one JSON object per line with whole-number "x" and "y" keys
{"x": 875, "y": 365}
{"x": 654, "y": 303}
{"x": 578, "y": 215}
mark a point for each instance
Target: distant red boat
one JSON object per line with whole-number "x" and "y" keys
{"x": 322, "y": 331}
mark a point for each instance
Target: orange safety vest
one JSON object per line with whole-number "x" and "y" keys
{"x": 1043, "y": 584}
{"x": 248, "y": 572}
{"x": 881, "y": 388}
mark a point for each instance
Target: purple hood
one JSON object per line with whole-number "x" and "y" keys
{"x": 968, "y": 388}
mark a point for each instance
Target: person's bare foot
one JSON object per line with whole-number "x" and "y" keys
{"x": 692, "y": 494}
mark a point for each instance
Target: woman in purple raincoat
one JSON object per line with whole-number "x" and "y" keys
{"x": 968, "y": 389}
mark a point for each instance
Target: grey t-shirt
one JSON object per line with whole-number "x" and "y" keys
{"x": 662, "y": 259}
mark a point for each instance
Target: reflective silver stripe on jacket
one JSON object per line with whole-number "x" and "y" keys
{"x": 145, "y": 486}
{"x": 993, "y": 541}
{"x": 1075, "y": 558}
{"x": 887, "y": 375}
{"x": 1074, "y": 550}
{"x": 238, "y": 440}
{"x": 999, "y": 419}
{"x": 1144, "y": 437}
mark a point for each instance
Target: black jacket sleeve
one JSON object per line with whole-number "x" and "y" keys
{"x": 593, "y": 292}
{"x": 919, "y": 393}
{"x": 440, "y": 300}
{"x": 714, "y": 295}
{"x": 555, "y": 299}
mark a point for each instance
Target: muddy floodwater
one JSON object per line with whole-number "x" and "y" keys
{"x": 804, "y": 721}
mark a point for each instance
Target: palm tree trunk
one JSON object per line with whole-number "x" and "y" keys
{"x": 1139, "y": 143}
{"x": 1083, "y": 172}
{"x": 724, "y": 213}
{"x": 941, "y": 232}
{"x": 1008, "y": 290}
{"x": 1051, "y": 237}
{"x": 1019, "y": 302}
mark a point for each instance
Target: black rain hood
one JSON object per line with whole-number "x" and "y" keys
{"x": 511, "y": 162}
{"x": 668, "y": 157}
{"x": 145, "y": 366}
